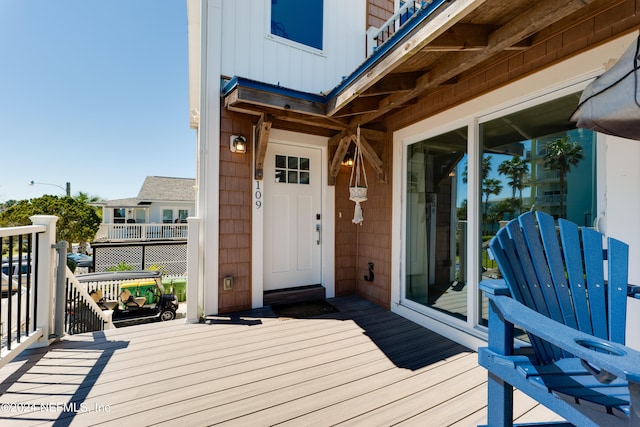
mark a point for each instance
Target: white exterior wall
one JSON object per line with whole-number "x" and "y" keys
{"x": 249, "y": 50}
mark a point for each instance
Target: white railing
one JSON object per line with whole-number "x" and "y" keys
{"x": 139, "y": 232}
{"x": 93, "y": 318}
{"x": 23, "y": 320}
{"x": 377, "y": 36}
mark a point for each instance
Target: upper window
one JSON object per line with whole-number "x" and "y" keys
{"x": 118, "y": 215}
{"x": 298, "y": 21}
{"x": 167, "y": 215}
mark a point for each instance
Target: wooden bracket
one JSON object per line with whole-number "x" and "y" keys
{"x": 263, "y": 128}
{"x": 372, "y": 158}
{"x": 338, "y": 157}
{"x": 343, "y": 140}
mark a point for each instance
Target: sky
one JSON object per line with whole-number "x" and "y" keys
{"x": 94, "y": 93}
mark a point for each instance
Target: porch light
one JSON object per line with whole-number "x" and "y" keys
{"x": 238, "y": 144}
{"x": 348, "y": 159}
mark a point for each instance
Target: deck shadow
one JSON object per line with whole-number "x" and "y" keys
{"x": 64, "y": 413}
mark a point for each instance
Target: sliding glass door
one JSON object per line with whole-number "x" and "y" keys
{"x": 435, "y": 274}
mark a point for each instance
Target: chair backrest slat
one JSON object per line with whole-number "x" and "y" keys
{"x": 556, "y": 265}
{"x": 593, "y": 263}
{"x": 504, "y": 252}
{"x": 618, "y": 267}
{"x": 569, "y": 235}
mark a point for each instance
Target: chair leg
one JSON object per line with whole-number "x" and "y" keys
{"x": 634, "y": 398}
{"x": 500, "y": 405}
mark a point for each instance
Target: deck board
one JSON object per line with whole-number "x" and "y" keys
{"x": 360, "y": 366}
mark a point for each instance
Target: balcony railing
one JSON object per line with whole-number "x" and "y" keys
{"x": 19, "y": 323}
{"x": 376, "y": 37}
{"x": 140, "y": 232}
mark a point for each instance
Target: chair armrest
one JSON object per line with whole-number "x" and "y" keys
{"x": 633, "y": 291}
{"x": 607, "y": 356}
{"x": 494, "y": 287}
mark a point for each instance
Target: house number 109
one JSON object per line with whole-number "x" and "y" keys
{"x": 258, "y": 195}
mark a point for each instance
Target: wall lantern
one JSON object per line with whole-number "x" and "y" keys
{"x": 238, "y": 144}
{"x": 348, "y": 158}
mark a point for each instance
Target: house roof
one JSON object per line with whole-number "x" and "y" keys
{"x": 160, "y": 188}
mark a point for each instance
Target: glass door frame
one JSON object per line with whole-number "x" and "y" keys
{"x": 434, "y": 319}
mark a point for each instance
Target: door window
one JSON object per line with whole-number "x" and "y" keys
{"x": 292, "y": 170}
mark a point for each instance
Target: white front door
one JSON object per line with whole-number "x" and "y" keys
{"x": 292, "y": 216}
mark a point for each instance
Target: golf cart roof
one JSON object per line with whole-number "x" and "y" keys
{"x": 119, "y": 275}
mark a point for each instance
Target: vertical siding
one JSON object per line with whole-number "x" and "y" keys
{"x": 249, "y": 51}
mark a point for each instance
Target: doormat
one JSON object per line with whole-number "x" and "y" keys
{"x": 303, "y": 310}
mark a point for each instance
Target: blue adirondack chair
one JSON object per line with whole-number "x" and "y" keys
{"x": 568, "y": 292}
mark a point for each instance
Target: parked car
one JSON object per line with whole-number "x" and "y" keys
{"x": 140, "y": 294}
{"x": 81, "y": 260}
{"x": 12, "y": 271}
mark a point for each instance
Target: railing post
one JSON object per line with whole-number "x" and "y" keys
{"x": 58, "y": 314}
{"x": 46, "y": 275}
{"x": 371, "y": 40}
{"x": 195, "y": 287}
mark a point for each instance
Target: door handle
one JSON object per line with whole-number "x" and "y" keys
{"x": 318, "y": 230}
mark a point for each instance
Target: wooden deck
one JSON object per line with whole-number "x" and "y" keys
{"x": 362, "y": 366}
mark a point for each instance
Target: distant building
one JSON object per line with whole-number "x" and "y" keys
{"x": 150, "y": 229}
{"x": 160, "y": 200}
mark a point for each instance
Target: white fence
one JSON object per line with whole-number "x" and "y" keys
{"x": 138, "y": 232}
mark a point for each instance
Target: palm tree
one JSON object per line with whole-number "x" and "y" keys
{"x": 561, "y": 154}
{"x": 489, "y": 186}
{"x": 486, "y": 168}
{"x": 516, "y": 169}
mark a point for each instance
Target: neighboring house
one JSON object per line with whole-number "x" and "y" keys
{"x": 148, "y": 229}
{"x": 161, "y": 200}
{"x": 434, "y": 92}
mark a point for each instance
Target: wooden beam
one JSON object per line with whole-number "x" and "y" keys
{"x": 263, "y": 129}
{"x": 397, "y": 82}
{"x": 358, "y": 106}
{"x": 335, "y": 140}
{"x": 338, "y": 157}
{"x": 462, "y": 37}
{"x": 269, "y": 99}
{"x": 372, "y": 158}
{"x": 538, "y": 16}
{"x": 376, "y": 135}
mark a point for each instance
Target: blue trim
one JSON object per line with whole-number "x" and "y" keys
{"x": 392, "y": 42}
